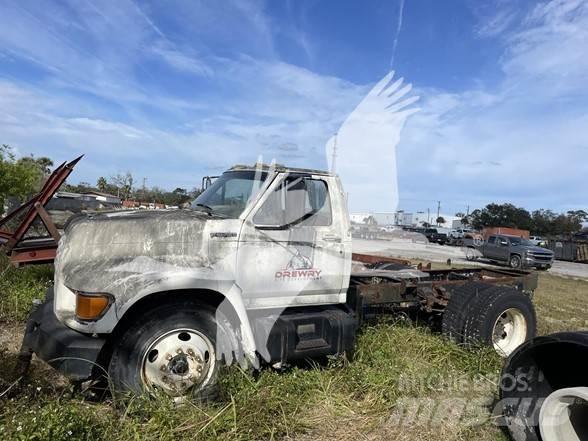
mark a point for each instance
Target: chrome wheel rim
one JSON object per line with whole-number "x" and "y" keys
{"x": 178, "y": 363}
{"x": 509, "y": 332}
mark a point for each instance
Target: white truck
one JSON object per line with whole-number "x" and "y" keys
{"x": 261, "y": 271}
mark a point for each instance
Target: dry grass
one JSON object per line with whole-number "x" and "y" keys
{"x": 561, "y": 304}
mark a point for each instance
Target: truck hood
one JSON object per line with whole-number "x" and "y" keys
{"x": 99, "y": 250}
{"x": 538, "y": 250}
{"x": 133, "y": 226}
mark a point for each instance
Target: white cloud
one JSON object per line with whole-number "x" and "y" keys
{"x": 526, "y": 139}
{"x": 181, "y": 61}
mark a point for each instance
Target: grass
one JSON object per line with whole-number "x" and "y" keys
{"x": 18, "y": 288}
{"x": 397, "y": 366}
{"x": 394, "y": 362}
{"x": 561, "y": 304}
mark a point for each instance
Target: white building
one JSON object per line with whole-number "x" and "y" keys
{"x": 385, "y": 218}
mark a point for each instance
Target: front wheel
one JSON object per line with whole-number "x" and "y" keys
{"x": 515, "y": 261}
{"x": 171, "y": 350}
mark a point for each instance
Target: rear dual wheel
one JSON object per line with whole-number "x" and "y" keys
{"x": 499, "y": 316}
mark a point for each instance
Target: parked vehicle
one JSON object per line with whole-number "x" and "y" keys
{"x": 364, "y": 231}
{"x": 434, "y": 235}
{"x": 537, "y": 240}
{"x": 459, "y": 233}
{"x": 259, "y": 271}
{"x": 390, "y": 229}
{"x": 516, "y": 252}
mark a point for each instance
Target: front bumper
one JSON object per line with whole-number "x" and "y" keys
{"x": 72, "y": 353}
{"x": 531, "y": 262}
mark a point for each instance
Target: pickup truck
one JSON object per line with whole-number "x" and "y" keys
{"x": 517, "y": 252}
{"x": 259, "y": 271}
{"x": 435, "y": 236}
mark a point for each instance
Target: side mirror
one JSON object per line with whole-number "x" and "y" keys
{"x": 504, "y": 243}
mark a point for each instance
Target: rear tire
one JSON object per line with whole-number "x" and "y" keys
{"x": 470, "y": 254}
{"x": 502, "y": 317}
{"x": 499, "y": 316}
{"x": 455, "y": 312}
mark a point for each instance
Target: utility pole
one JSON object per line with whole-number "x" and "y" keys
{"x": 144, "y": 187}
{"x": 438, "y": 211}
{"x": 429, "y": 216}
{"x": 468, "y": 210}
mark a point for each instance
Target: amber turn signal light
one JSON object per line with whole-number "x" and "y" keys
{"x": 91, "y": 306}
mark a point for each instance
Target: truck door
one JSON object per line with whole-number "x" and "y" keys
{"x": 490, "y": 248}
{"x": 291, "y": 248}
{"x": 502, "y": 248}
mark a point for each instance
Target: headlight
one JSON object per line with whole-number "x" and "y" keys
{"x": 91, "y": 306}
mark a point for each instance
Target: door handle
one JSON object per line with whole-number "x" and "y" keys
{"x": 331, "y": 238}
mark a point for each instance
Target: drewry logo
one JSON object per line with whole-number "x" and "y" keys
{"x": 299, "y": 268}
{"x": 301, "y": 274}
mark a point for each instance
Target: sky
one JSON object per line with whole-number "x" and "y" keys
{"x": 175, "y": 90}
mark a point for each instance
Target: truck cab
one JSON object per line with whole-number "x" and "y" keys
{"x": 260, "y": 242}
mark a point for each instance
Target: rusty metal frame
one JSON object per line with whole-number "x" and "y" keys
{"x": 437, "y": 289}
{"x": 36, "y": 207}
{"x": 372, "y": 259}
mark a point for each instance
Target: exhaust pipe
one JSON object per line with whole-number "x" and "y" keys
{"x": 544, "y": 389}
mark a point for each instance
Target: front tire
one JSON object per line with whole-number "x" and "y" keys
{"x": 515, "y": 261}
{"x": 173, "y": 349}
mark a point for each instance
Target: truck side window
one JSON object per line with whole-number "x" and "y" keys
{"x": 298, "y": 200}
{"x": 492, "y": 240}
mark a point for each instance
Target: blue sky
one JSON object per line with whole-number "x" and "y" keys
{"x": 178, "y": 89}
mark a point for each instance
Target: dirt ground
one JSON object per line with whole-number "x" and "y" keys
{"x": 440, "y": 253}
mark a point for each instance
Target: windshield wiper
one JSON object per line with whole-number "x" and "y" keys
{"x": 208, "y": 209}
{"x": 205, "y": 206}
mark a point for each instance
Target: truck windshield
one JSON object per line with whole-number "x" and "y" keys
{"x": 229, "y": 194}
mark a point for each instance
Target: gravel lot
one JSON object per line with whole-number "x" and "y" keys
{"x": 407, "y": 249}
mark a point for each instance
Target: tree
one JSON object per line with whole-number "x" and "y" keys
{"x": 501, "y": 215}
{"x": 194, "y": 193}
{"x": 440, "y": 220}
{"x": 123, "y": 184}
{"x": 43, "y": 163}
{"x": 177, "y": 197}
{"x": 19, "y": 178}
{"x": 370, "y": 220}
{"x": 101, "y": 183}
